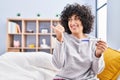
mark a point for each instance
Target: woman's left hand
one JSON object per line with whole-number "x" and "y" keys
{"x": 101, "y": 46}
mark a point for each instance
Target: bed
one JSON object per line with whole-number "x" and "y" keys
{"x": 26, "y": 66}
{"x": 38, "y": 66}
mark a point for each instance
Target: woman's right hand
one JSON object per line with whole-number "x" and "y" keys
{"x": 59, "y": 29}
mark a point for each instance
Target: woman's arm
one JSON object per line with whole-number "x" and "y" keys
{"x": 59, "y": 50}
{"x": 98, "y": 61}
{"x": 98, "y": 64}
{"x": 59, "y": 55}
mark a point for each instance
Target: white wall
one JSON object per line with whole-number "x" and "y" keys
{"x": 29, "y": 9}
{"x": 113, "y": 28}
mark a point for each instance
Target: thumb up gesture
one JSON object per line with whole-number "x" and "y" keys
{"x": 59, "y": 30}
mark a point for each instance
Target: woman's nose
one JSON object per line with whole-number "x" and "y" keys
{"x": 72, "y": 21}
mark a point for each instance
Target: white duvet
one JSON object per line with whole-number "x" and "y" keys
{"x": 26, "y": 66}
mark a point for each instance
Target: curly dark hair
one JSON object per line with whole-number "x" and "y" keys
{"x": 82, "y": 11}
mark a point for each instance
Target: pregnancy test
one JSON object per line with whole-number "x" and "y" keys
{"x": 86, "y": 40}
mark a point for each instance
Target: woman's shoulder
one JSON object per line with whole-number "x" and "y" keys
{"x": 66, "y": 35}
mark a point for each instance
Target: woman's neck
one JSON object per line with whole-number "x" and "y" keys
{"x": 80, "y": 36}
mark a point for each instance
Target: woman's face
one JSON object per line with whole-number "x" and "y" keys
{"x": 75, "y": 25}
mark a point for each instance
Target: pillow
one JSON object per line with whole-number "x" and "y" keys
{"x": 43, "y": 60}
{"x": 15, "y": 58}
{"x": 37, "y": 59}
{"x": 112, "y": 65}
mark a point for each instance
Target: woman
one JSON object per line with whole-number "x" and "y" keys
{"x": 77, "y": 55}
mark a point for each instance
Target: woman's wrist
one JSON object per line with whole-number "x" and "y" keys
{"x": 98, "y": 55}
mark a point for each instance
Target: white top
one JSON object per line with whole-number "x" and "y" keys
{"x": 76, "y": 58}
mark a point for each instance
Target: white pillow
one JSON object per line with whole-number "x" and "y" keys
{"x": 37, "y": 59}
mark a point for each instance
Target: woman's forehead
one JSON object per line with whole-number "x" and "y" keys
{"x": 74, "y": 15}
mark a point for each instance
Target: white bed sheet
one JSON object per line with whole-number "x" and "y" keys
{"x": 26, "y": 66}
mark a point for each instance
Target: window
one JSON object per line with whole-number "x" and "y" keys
{"x": 102, "y": 19}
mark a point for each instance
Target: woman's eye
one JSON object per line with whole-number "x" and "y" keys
{"x": 77, "y": 18}
{"x": 69, "y": 19}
